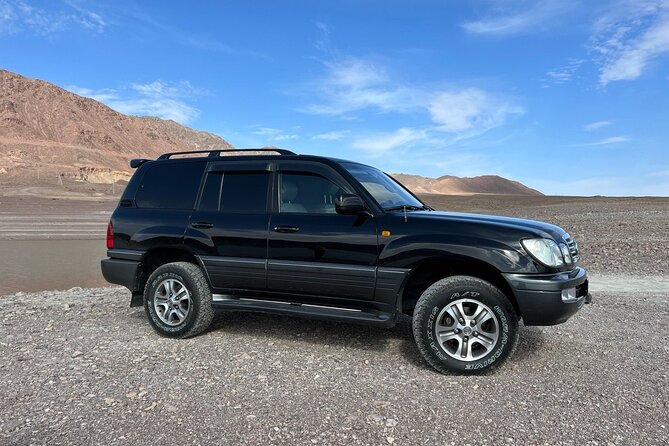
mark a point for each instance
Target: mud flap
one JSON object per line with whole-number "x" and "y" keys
{"x": 137, "y": 299}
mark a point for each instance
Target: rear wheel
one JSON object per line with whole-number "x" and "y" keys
{"x": 177, "y": 300}
{"x": 464, "y": 324}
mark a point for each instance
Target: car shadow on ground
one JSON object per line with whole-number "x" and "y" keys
{"x": 288, "y": 328}
{"x": 346, "y": 335}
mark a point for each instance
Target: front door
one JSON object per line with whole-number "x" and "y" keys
{"x": 229, "y": 227}
{"x": 312, "y": 249}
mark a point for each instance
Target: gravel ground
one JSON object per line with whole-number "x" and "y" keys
{"x": 80, "y": 367}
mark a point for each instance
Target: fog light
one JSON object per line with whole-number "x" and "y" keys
{"x": 569, "y": 295}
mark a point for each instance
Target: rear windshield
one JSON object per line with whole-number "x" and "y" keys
{"x": 170, "y": 186}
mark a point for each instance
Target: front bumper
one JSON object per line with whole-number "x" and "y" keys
{"x": 549, "y": 299}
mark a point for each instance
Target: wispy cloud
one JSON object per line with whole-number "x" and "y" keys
{"x": 629, "y": 37}
{"x": 18, "y": 16}
{"x": 165, "y": 100}
{"x": 354, "y": 85}
{"x": 601, "y": 185}
{"x": 381, "y": 143}
{"x": 334, "y": 135}
{"x": 272, "y": 134}
{"x": 612, "y": 140}
{"x": 659, "y": 173}
{"x": 596, "y": 125}
{"x": 188, "y": 38}
{"x": 564, "y": 73}
{"x": 518, "y": 17}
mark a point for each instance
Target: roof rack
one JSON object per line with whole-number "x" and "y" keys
{"x": 217, "y": 152}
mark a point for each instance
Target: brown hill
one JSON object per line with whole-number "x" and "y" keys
{"x": 46, "y": 129}
{"x": 485, "y": 184}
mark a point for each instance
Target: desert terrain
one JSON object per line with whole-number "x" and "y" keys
{"x": 79, "y": 365}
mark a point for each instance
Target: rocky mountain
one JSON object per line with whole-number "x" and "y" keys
{"x": 47, "y": 132}
{"x": 485, "y": 184}
{"x": 47, "y": 129}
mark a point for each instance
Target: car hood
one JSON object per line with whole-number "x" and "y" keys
{"x": 531, "y": 227}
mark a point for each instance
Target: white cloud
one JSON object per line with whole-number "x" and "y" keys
{"x": 629, "y": 37}
{"x": 518, "y": 17}
{"x": 333, "y": 135}
{"x": 606, "y": 141}
{"x": 381, "y": 143}
{"x": 17, "y": 16}
{"x": 162, "y": 99}
{"x": 356, "y": 85}
{"x": 659, "y": 173}
{"x": 469, "y": 109}
{"x": 103, "y": 95}
{"x": 596, "y": 125}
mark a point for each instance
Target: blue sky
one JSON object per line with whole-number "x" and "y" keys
{"x": 568, "y": 97}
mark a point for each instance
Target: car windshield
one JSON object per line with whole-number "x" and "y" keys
{"x": 386, "y": 191}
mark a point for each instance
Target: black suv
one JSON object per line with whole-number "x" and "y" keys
{"x": 276, "y": 232}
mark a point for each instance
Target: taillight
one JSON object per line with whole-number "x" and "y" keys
{"x": 110, "y": 236}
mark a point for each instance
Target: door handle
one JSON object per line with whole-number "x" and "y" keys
{"x": 286, "y": 229}
{"x": 202, "y": 225}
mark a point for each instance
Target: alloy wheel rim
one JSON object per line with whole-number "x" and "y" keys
{"x": 467, "y": 330}
{"x": 172, "y": 302}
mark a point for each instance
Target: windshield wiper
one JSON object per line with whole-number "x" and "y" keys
{"x": 408, "y": 207}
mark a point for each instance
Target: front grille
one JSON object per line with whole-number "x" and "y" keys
{"x": 573, "y": 248}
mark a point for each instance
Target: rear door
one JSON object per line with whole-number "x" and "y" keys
{"x": 229, "y": 226}
{"x": 312, "y": 249}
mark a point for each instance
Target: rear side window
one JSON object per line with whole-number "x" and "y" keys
{"x": 235, "y": 192}
{"x": 170, "y": 186}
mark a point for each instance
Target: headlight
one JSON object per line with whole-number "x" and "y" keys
{"x": 545, "y": 250}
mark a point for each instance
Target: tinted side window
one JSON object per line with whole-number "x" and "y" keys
{"x": 235, "y": 192}
{"x": 170, "y": 186}
{"x": 307, "y": 192}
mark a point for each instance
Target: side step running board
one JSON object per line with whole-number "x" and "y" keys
{"x": 322, "y": 312}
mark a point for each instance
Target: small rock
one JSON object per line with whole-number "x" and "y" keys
{"x": 376, "y": 418}
{"x": 151, "y": 407}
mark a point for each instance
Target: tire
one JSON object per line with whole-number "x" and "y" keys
{"x": 187, "y": 314}
{"x": 489, "y": 333}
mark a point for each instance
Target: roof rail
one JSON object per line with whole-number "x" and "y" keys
{"x": 217, "y": 152}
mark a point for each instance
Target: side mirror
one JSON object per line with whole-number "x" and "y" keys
{"x": 349, "y": 204}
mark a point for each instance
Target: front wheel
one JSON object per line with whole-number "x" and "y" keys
{"x": 177, "y": 300}
{"x": 465, "y": 325}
